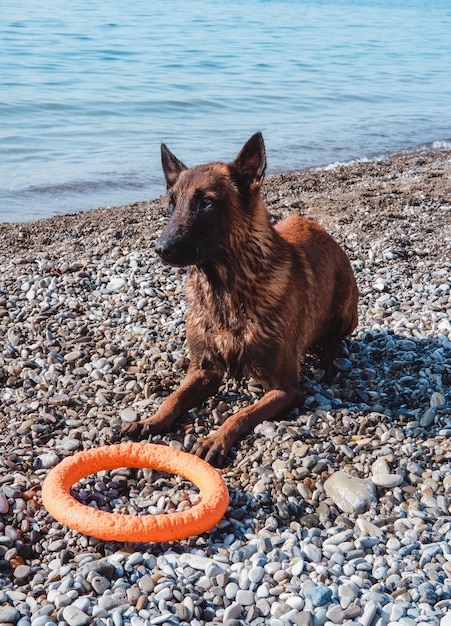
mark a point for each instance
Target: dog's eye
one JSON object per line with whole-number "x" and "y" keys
{"x": 171, "y": 204}
{"x": 205, "y": 203}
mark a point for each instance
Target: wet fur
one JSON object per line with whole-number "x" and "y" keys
{"x": 258, "y": 296}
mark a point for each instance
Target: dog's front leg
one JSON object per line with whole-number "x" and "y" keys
{"x": 195, "y": 388}
{"x": 274, "y": 403}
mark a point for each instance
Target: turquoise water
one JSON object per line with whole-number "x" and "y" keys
{"x": 88, "y": 90}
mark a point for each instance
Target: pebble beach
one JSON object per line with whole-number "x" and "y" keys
{"x": 340, "y": 513}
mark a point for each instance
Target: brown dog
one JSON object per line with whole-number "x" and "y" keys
{"x": 257, "y": 296}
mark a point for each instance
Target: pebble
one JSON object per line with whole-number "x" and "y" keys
{"x": 128, "y": 415}
{"x": 4, "y": 504}
{"x": 437, "y": 400}
{"x": 350, "y": 493}
{"x": 233, "y": 611}
{"x": 446, "y": 619}
{"x": 339, "y": 512}
{"x": 312, "y": 553}
{"x": 344, "y": 365}
{"x": 304, "y": 618}
{"x": 347, "y": 593}
{"x": 100, "y": 584}
{"x": 231, "y": 590}
{"x": 146, "y": 583}
{"x": 369, "y": 612}
{"x": 22, "y": 572}
{"x": 428, "y": 417}
{"x": 42, "y": 620}
{"x": 256, "y": 573}
{"x": 116, "y": 283}
{"x": 9, "y": 615}
{"x": 319, "y": 595}
{"x": 196, "y": 561}
{"x": 382, "y": 477}
{"x": 244, "y": 597}
{"x": 47, "y": 460}
{"x": 101, "y": 566}
{"x": 75, "y": 617}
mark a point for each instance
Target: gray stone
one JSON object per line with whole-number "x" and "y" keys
{"x": 146, "y": 583}
{"x": 9, "y": 615}
{"x": 427, "y": 419}
{"x": 231, "y": 590}
{"x": 344, "y": 365}
{"x": 304, "y": 618}
{"x": 352, "y": 612}
{"x": 245, "y": 597}
{"x": 100, "y": 584}
{"x": 319, "y": 595}
{"x": 116, "y": 283}
{"x": 347, "y": 593}
{"x": 75, "y": 616}
{"x": 101, "y": 566}
{"x": 182, "y": 612}
{"x": 349, "y": 493}
{"x": 437, "y": 400}
{"x": 42, "y": 620}
{"x": 113, "y": 600}
{"x": 233, "y": 611}
{"x": 369, "y": 611}
{"x": 4, "y": 504}
{"x": 128, "y": 415}
{"x": 256, "y": 574}
{"x": 312, "y": 553}
{"x": 63, "y": 600}
{"x": 382, "y": 477}
{"x": 22, "y": 573}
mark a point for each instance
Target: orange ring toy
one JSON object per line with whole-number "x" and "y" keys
{"x": 117, "y": 527}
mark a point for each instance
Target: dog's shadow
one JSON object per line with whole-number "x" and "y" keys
{"x": 399, "y": 376}
{"x": 384, "y": 381}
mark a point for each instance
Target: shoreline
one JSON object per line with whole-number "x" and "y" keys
{"x": 92, "y": 334}
{"x": 331, "y": 177}
{"x": 153, "y": 192}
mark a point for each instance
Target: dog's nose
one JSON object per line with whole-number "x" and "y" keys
{"x": 165, "y": 249}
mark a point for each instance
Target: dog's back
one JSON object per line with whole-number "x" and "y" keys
{"x": 330, "y": 293}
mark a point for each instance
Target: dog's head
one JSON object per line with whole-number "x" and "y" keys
{"x": 208, "y": 201}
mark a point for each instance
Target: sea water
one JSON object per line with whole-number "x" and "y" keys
{"x": 89, "y": 90}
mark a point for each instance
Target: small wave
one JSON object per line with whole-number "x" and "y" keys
{"x": 335, "y": 164}
{"x": 444, "y": 144}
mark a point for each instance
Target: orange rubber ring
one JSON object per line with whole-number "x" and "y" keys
{"x": 118, "y": 527}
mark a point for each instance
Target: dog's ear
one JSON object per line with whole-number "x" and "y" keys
{"x": 172, "y": 167}
{"x": 250, "y": 164}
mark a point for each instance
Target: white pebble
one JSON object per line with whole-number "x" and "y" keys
{"x": 75, "y": 616}
{"x": 255, "y": 574}
{"x": 4, "y": 504}
{"x": 437, "y": 400}
{"x": 116, "y": 283}
{"x": 350, "y": 493}
{"x": 128, "y": 415}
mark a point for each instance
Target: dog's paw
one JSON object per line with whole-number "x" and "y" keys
{"x": 133, "y": 430}
{"x": 212, "y": 449}
{"x": 143, "y": 429}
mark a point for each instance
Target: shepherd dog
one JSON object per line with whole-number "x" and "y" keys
{"x": 258, "y": 295}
